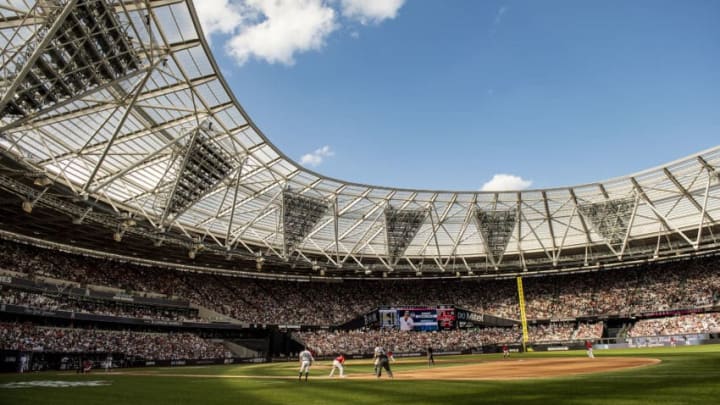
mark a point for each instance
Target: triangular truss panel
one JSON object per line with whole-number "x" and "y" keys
{"x": 401, "y": 226}
{"x": 75, "y": 49}
{"x": 204, "y": 165}
{"x": 610, "y": 219}
{"x": 300, "y": 215}
{"x": 496, "y": 229}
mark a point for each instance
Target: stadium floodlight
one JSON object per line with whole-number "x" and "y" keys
{"x": 496, "y": 229}
{"x": 203, "y": 167}
{"x": 27, "y": 206}
{"x": 610, "y": 218}
{"x": 42, "y": 181}
{"x": 78, "y": 47}
{"x": 77, "y": 220}
{"x": 300, "y": 215}
{"x": 401, "y": 226}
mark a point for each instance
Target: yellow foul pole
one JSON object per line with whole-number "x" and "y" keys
{"x": 523, "y": 319}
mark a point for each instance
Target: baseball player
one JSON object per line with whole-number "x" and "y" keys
{"x": 108, "y": 362}
{"x": 23, "y": 363}
{"x": 391, "y": 356}
{"x": 506, "y": 351}
{"x": 338, "y": 363}
{"x": 430, "y": 358}
{"x": 306, "y": 360}
{"x": 588, "y": 349}
{"x": 376, "y": 358}
{"x": 382, "y": 362}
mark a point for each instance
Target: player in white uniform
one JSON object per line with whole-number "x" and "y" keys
{"x": 382, "y": 362}
{"x": 23, "y": 363}
{"x": 376, "y": 358}
{"x": 108, "y": 362}
{"x": 306, "y": 360}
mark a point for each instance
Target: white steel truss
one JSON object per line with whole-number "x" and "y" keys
{"x": 121, "y": 136}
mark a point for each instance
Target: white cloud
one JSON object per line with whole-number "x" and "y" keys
{"x": 498, "y": 18}
{"x": 270, "y": 30}
{"x": 281, "y": 29}
{"x": 316, "y": 157}
{"x": 275, "y": 31}
{"x": 499, "y": 15}
{"x": 506, "y": 182}
{"x": 374, "y": 11}
{"x": 219, "y": 16}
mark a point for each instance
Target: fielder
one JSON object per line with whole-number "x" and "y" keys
{"x": 588, "y": 349}
{"x": 376, "y": 359}
{"x": 306, "y": 360}
{"x": 506, "y": 352}
{"x": 382, "y": 362}
{"x": 338, "y": 363}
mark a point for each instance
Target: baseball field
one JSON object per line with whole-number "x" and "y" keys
{"x": 634, "y": 376}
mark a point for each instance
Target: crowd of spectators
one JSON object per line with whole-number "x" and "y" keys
{"x": 677, "y": 325}
{"x": 589, "y": 331}
{"x": 327, "y": 343}
{"x": 137, "y": 345}
{"x": 552, "y": 332}
{"x": 612, "y": 292}
{"x": 56, "y": 302}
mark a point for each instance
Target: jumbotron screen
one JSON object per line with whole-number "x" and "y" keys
{"x": 417, "y": 318}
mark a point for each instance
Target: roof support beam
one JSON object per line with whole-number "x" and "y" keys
{"x": 37, "y": 52}
{"x": 548, "y": 218}
{"x": 665, "y": 222}
{"x": 108, "y": 144}
{"x": 687, "y": 195}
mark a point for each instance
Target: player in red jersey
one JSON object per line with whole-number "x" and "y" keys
{"x": 588, "y": 349}
{"x": 339, "y": 363}
{"x": 506, "y": 351}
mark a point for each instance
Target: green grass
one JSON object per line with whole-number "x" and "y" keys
{"x": 686, "y": 375}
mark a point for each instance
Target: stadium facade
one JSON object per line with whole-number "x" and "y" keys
{"x": 120, "y": 137}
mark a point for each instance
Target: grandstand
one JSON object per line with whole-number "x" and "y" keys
{"x": 140, "y": 205}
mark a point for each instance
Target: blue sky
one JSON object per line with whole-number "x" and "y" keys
{"x": 447, "y": 94}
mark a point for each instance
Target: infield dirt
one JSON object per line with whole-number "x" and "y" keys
{"x": 511, "y": 369}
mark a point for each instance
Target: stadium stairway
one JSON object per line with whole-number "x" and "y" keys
{"x": 212, "y": 316}
{"x": 238, "y": 348}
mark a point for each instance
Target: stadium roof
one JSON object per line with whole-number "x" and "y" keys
{"x": 119, "y": 107}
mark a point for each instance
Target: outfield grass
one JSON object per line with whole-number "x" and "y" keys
{"x": 686, "y": 375}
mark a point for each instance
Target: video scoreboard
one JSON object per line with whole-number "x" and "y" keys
{"x": 418, "y": 318}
